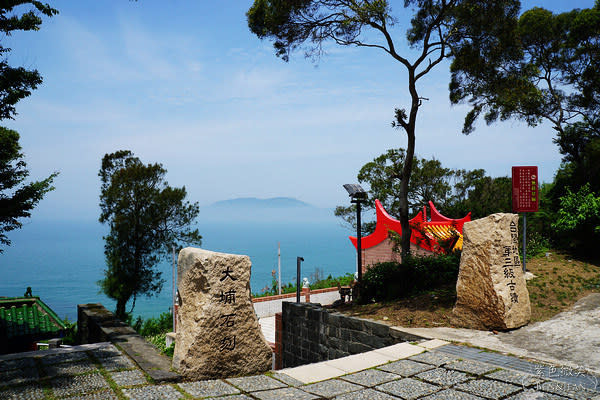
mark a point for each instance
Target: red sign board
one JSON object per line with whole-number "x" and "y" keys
{"x": 525, "y": 194}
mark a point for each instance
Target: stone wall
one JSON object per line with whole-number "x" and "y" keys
{"x": 311, "y": 333}
{"x": 91, "y": 319}
{"x": 96, "y": 324}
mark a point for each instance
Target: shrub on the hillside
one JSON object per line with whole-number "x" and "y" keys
{"x": 160, "y": 342}
{"x": 315, "y": 283}
{"x": 537, "y": 244}
{"x": 70, "y": 337}
{"x": 391, "y": 280}
{"x": 330, "y": 281}
{"x": 155, "y": 325}
{"x": 578, "y": 222}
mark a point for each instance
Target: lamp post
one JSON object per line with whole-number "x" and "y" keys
{"x": 358, "y": 196}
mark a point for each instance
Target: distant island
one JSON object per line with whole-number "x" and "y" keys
{"x": 276, "y": 209}
{"x": 253, "y": 202}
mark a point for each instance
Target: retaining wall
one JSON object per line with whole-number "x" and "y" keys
{"x": 311, "y": 333}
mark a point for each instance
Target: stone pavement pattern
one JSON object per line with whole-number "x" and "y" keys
{"x": 571, "y": 338}
{"x": 430, "y": 370}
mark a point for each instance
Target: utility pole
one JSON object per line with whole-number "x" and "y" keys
{"x": 279, "y": 268}
{"x": 173, "y": 288}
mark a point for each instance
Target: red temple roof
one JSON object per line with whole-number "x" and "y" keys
{"x": 438, "y": 227}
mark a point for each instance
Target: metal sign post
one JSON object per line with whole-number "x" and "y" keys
{"x": 525, "y": 197}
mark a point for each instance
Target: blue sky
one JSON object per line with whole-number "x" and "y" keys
{"x": 185, "y": 83}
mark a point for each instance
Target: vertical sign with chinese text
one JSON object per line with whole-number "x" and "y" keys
{"x": 525, "y": 193}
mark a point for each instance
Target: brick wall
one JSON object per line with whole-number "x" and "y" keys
{"x": 303, "y": 293}
{"x": 278, "y": 342}
{"x": 384, "y": 252}
{"x": 311, "y": 333}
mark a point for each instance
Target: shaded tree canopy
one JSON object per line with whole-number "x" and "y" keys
{"x": 146, "y": 218}
{"x": 17, "y": 199}
{"x": 437, "y": 29}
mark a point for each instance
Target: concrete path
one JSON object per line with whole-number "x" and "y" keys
{"x": 270, "y": 308}
{"x": 571, "y": 338}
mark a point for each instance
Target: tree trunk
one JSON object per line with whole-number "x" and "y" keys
{"x": 120, "y": 310}
{"x": 406, "y": 172}
{"x": 409, "y": 128}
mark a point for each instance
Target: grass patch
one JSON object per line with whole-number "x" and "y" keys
{"x": 160, "y": 342}
{"x": 560, "y": 281}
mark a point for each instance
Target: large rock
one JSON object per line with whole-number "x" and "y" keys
{"x": 491, "y": 287}
{"x": 218, "y": 334}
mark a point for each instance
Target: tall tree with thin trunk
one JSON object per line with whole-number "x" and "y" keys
{"x": 146, "y": 218}
{"x": 436, "y": 29}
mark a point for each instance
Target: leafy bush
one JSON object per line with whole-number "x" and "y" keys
{"x": 330, "y": 281}
{"x": 160, "y": 341}
{"x": 536, "y": 244}
{"x": 578, "y": 221}
{"x": 318, "y": 283}
{"x": 154, "y": 326}
{"x": 390, "y": 280}
{"x": 70, "y": 337}
{"x": 155, "y": 331}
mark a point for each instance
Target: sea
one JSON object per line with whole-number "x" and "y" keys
{"x": 62, "y": 261}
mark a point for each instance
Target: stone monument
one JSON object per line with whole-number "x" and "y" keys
{"x": 218, "y": 334}
{"x": 491, "y": 286}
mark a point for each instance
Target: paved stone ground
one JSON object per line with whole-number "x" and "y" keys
{"x": 571, "y": 338}
{"x": 101, "y": 371}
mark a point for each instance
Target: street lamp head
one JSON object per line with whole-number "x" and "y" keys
{"x": 355, "y": 191}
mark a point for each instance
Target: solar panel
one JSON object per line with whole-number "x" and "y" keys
{"x": 355, "y": 190}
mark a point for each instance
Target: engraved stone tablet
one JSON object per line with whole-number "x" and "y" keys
{"x": 491, "y": 287}
{"x": 218, "y": 334}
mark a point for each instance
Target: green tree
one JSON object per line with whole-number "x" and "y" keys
{"x": 16, "y": 198}
{"x": 546, "y": 69}
{"x": 17, "y": 83}
{"x": 455, "y": 192}
{"x": 543, "y": 69}
{"x": 146, "y": 218}
{"x": 488, "y": 196}
{"x": 578, "y": 222}
{"x": 436, "y": 28}
{"x": 452, "y": 191}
